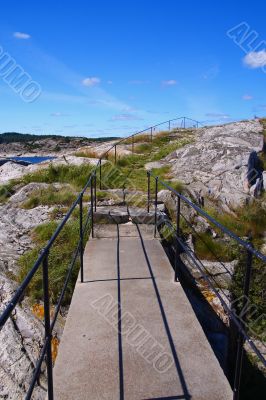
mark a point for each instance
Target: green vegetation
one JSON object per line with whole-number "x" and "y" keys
{"x": 87, "y": 154}
{"x": 5, "y": 192}
{"x": 246, "y": 221}
{"x": 59, "y": 258}
{"x": 137, "y": 139}
{"x": 257, "y": 315}
{"x": 76, "y": 175}
{"x": 208, "y": 248}
{"x": 50, "y": 197}
{"x": 28, "y": 139}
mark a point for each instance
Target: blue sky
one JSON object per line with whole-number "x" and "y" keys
{"x": 115, "y": 67}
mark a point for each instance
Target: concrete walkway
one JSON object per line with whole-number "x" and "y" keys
{"x": 131, "y": 332}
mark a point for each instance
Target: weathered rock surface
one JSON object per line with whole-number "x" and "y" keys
{"x": 215, "y": 165}
{"x": 22, "y": 336}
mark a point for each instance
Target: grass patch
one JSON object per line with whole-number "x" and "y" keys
{"x": 78, "y": 176}
{"x": 248, "y": 220}
{"x": 59, "y": 258}
{"x": 87, "y": 154}
{"x": 257, "y": 317}
{"x": 169, "y": 148}
{"x": 6, "y": 191}
{"x": 50, "y": 197}
{"x": 143, "y": 148}
{"x": 208, "y": 248}
{"x": 137, "y": 139}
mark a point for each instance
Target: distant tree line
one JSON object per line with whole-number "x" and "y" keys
{"x": 14, "y": 137}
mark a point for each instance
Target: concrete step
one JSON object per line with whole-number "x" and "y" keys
{"x": 120, "y": 215}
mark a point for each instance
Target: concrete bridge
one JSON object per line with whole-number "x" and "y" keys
{"x": 131, "y": 332}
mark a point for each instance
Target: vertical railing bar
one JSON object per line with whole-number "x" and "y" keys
{"x": 241, "y": 339}
{"x": 177, "y": 233}
{"x": 149, "y": 191}
{"x": 115, "y": 154}
{"x": 151, "y": 134}
{"x": 169, "y": 126}
{"x": 81, "y": 237}
{"x": 95, "y": 191}
{"x": 48, "y": 334}
{"x": 92, "y": 227}
{"x": 100, "y": 183}
{"x": 156, "y": 201}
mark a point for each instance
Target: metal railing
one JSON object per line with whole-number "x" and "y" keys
{"x": 43, "y": 261}
{"x": 238, "y": 319}
{"x": 85, "y": 225}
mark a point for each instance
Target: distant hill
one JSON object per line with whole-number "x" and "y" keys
{"x": 14, "y": 137}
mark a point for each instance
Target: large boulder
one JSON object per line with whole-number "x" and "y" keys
{"x": 215, "y": 165}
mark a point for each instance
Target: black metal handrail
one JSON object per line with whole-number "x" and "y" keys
{"x": 43, "y": 260}
{"x": 240, "y": 323}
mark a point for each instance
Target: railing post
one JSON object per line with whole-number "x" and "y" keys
{"x": 169, "y": 125}
{"x": 81, "y": 250}
{"x": 156, "y": 201}
{"x": 177, "y": 233}
{"x": 47, "y": 326}
{"x": 95, "y": 191}
{"x": 149, "y": 191}
{"x": 100, "y": 183}
{"x": 115, "y": 154}
{"x": 92, "y": 228}
{"x": 132, "y": 144}
{"x": 184, "y": 122}
{"x": 151, "y": 134}
{"x": 241, "y": 340}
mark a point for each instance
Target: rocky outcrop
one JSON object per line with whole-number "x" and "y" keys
{"x": 22, "y": 336}
{"x": 215, "y": 165}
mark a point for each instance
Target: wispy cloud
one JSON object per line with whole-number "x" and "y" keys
{"x": 126, "y": 117}
{"x": 211, "y": 73}
{"x": 59, "y": 114}
{"x": 247, "y": 97}
{"x": 217, "y": 115}
{"x": 21, "y": 35}
{"x": 93, "y": 81}
{"x": 255, "y": 59}
{"x": 170, "y": 82}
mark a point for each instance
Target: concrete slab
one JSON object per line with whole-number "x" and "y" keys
{"x": 131, "y": 332}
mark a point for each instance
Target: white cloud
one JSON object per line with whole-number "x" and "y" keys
{"x": 58, "y": 114}
{"x": 217, "y": 115}
{"x": 170, "y": 82}
{"x": 247, "y": 97}
{"x": 110, "y": 82}
{"x": 21, "y": 35}
{"x": 91, "y": 81}
{"x": 126, "y": 117}
{"x": 255, "y": 59}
